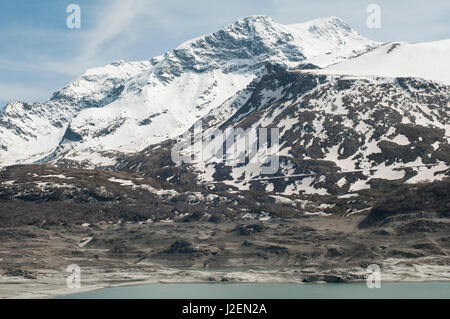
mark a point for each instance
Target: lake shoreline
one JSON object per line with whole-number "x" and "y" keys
{"x": 35, "y": 260}
{"x": 52, "y": 285}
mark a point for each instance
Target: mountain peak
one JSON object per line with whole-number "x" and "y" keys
{"x": 325, "y": 26}
{"x": 267, "y": 21}
{"x": 252, "y": 41}
{"x": 254, "y": 19}
{"x": 251, "y": 21}
{"x": 256, "y": 39}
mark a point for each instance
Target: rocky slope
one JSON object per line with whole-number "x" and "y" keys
{"x": 337, "y": 134}
{"x": 125, "y": 228}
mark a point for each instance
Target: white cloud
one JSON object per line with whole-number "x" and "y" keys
{"x": 112, "y": 22}
{"x": 91, "y": 46}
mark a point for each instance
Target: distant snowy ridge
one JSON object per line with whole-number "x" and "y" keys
{"x": 429, "y": 60}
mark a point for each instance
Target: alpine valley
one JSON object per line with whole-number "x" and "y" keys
{"x": 87, "y": 177}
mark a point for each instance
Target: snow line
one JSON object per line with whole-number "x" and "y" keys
{"x": 315, "y": 174}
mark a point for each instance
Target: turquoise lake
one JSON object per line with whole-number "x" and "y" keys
{"x": 425, "y": 290}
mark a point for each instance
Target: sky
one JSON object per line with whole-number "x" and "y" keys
{"x": 39, "y": 54}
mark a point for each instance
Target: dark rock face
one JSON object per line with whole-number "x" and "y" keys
{"x": 306, "y": 66}
{"x": 20, "y": 273}
{"x": 72, "y": 136}
{"x": 195, "y": 216}
{"x": 423, "y": 226}
{"x": 334, "y": 251}
{"x": 180, "y": 247}
{"x": 246, "y": 243}
{"x": 324, "y": 278}
{"x": 343, "y": 84}
{"x": 246, "y": 230}
{"x": 430, "y": 199}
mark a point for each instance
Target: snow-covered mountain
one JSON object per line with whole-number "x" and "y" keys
{"x": 125, "y": 106}
{"x": 31, "y": 131}
{"x": 352, "y": 113}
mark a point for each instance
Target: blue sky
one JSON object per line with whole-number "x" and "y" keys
{"x": 39, "y": 54}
